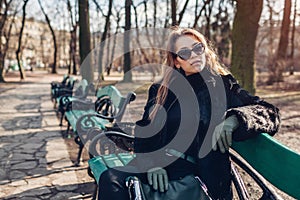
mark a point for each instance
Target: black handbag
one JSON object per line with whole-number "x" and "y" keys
{"x": 189, "y": 187}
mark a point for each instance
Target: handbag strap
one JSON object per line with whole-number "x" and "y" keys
{"x": 178, "y": 154}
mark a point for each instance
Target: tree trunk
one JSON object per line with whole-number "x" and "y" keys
{"x": 1, "y": 68}
{"x": 73, "y": 47}
{"x": 181, "y": 13}
{"x": 103, "y": 38}
{"x": 245, "y": 28}
{"x": 284, "y": 35}
{"x": 115, "y": 41}
{"x": 291, "y": 56}
{"x": 73, "y": 41}
{"x": 280, "y": 63}
{"x": 54, "y": 39}
{"x": 86, "y": 67}
{"x": 18, "y": 52}
{"x": 173, "y": 12}
{"x": 108, "y": 44}
{"x": 127, "y": 57}
{"x": 3, "y": 49}
{"x": 198, "y": 15}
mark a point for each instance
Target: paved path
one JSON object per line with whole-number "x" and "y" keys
{"x": 34, "y": 160}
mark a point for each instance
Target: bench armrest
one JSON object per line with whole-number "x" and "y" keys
{"x": 111, "y": 142}
{"x": 80, "y": 104}
{"x": 117, "y": 118}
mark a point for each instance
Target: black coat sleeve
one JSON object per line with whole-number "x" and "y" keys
{"x": 147, "y": 138}
{"x": 255, "y": 115}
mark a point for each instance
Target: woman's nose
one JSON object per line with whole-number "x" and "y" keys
{"x": 193, "y": 54}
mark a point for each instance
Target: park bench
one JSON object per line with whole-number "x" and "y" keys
{"x": 57, "y": 84}
{"x": 104, "y": 114}
{"x": 262, "y": 158}
{"x": 81, "y": 90}
{"x": 62, "y": 90}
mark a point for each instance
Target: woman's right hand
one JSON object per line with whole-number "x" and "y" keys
{"x": 158, "y": 178}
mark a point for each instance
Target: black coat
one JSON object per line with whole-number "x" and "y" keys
{"x": 194, "y": 106}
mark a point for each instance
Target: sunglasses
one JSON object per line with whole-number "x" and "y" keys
{"x": 186, "y": 53}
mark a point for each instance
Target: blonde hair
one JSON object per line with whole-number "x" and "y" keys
{"x": 212, "y": 62}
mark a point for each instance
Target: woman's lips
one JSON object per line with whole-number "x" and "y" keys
{"x": 196, "y": 63}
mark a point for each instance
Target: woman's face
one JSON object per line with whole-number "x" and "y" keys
{"x": 190, "y": 54}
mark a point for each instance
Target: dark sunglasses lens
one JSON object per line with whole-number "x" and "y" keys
{"x": 184, "y": 54}
{"x": 198, "y": 49}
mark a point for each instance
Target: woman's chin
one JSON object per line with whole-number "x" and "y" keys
{"x": 199, "y": 68}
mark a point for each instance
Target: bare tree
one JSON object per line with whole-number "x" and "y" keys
{"x": 284, "y": 34}
{"x": 87, "y": 70}
{"x": 118, "y": 19}
{"x": 73, "y": 41}
{"x": 181, "y": 13}
{"x": 280, "y": 60}
{"x": 221, "y": 31}
{"x": 18, "y": 52}
{"x": 141, "y": 49}
{"x": 243, "y": 41}
{"x": 174, "y": 12}
{"x": 291, "y": 56}
{"x": 108, "y": 52}
{"x": 127, "y": 58}
{"x": 103, "y": 38}
{"x": 270, "y": 35}
{"x": 207, "y": 13}
{"x": 6, "y": 5}
{"x": 167, "y": 14}
{"x": 198, "y": 14}
{"x": 53, "y": 36}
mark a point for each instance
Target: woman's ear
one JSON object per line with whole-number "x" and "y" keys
{"x": 176, "y": 63}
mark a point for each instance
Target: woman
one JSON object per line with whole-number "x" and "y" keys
{"x": 189, "y": 122}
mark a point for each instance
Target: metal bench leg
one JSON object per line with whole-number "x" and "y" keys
{"x": 61, "y": 118}
{"x": 95, "y": 193}
{"x": 81, "y": 145}
{"x": 66, "y": 134}
{"x": 268, "y": 192}
{"x": 239, "y": 184}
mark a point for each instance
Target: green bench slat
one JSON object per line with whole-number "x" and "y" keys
{"x": 125, "y": 158}
{"x": 97, "y": 167}
{"x": 274, "y": 161}
{"x": 112, "y": 160}
{"x": 113, "y": 93}
{"x": 74, "y": 115}
{"x": 100, "y": 163}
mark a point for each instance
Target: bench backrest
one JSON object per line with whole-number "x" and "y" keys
{"x": 274, "y": 161}
{"x": 81, "y": 89}
{"x": 70, "y": 82}
{"x": 113, "y": 93}
{"x": 65, "y": 78}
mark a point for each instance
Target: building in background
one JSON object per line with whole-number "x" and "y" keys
{"x": 37, "y": 44}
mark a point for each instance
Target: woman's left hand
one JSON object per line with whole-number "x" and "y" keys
{"x": 222, "y": 136}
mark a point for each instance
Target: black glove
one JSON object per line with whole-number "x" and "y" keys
{"x": 222, "y": 135}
